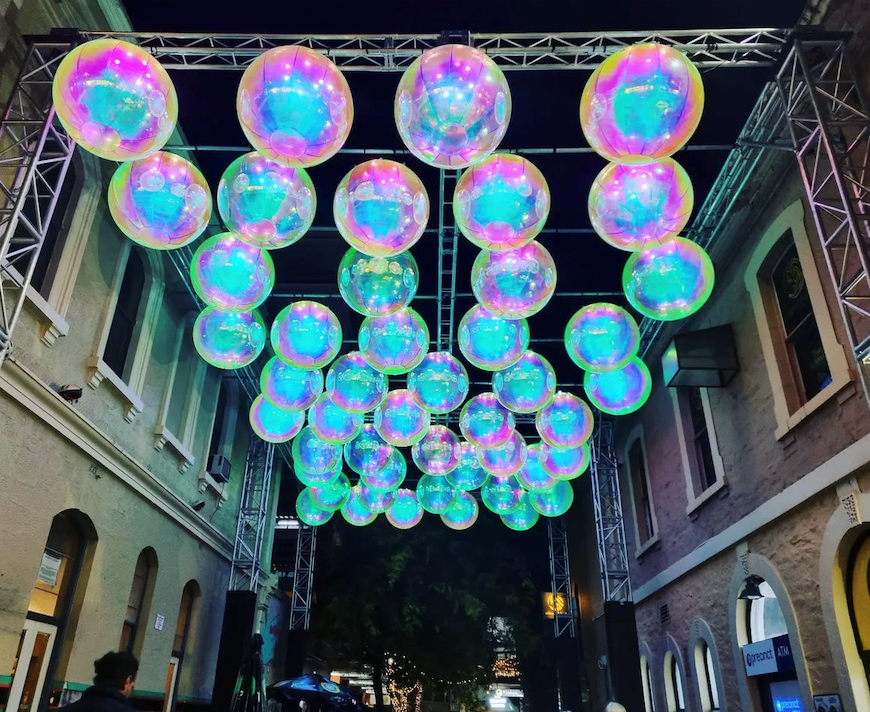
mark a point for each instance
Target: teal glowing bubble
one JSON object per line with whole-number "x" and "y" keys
{"x": 492, "y": 342}
{"x": 468, "y": 475}
{"x": 506, "y": 459}
{"x": 553, "y": 501}
{"x": 439, "y": 383}
{"x": 332, "y": 495}
{"x": 462, "y": 511}
{"x": 309, "y": 512}
{"x": 566, "y": 422}
{"x": 274, "y": 424}
{"x": 533, "y": 476}
{"x": 406, "y": 511}
{"x": 354, "y": 511}
{"x": 437, "y": 453}
{"x": 354, "y": 385}
{"x": 523, "y": 518}
{"x": 376, "y": 501}
{"x": 306, "y": 334}
{"x": 501, "y": 495}
{"x": 332, "y": 424}
{"x": 602, "y": 337}
{"x": 229, "y": 340}
{"x": 515, "y": 283}
{"x": 485, "y": 422}
{"x": 368, "y": 452}
{"x": 315, "y": 456}
{"x": 395, "y": 343}
{"x": 669, "y": 280}
{"x": 434, "y": 493}
{"x": 289, "y": 387}
{"x": 320, "y": 479}
{"x": 376, "y": 286}
{"x": 390, "y": 477}
{"x": 229, "y": 274}
{"x": 565, "y": 463}
{"x": 268, "y": 204}
{"x": 619, "y": 392}
{"x": 400, "y": 420}
{"x": 527, "y": 386}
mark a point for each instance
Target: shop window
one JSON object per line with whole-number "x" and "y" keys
{"x": 674, "y": 684}
{"x": 641, "y": 495}
{"x": 764, "y": 616}
{"x": 706, "y": 675}
{"x": 137, "y": 604}
{"x": 649, "y": 698}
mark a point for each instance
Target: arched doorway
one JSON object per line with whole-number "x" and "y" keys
{"x": 858, "y": 587}
{"x": 181, "y": 643}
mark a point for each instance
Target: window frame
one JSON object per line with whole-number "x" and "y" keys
{"x": 636, "y": 436}
{"x": 675, "y": 687}
{"x": 136, "y": 637}
{"x": 646, "y": 681}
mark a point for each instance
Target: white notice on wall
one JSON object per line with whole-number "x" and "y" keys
{"x": 48, "y": 569}
{"x": 159, "y": 621}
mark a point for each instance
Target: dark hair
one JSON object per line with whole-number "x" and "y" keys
{"x": 113, "y": 669}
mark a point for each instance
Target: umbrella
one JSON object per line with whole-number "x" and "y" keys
{"x": 316, "y": 691}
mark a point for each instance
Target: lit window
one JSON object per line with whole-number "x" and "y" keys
{"x": 706, "y": 674}
{"x": 765, "y": 616}
{"x": 649, "y": 698}
{"x": 674, "y": 684}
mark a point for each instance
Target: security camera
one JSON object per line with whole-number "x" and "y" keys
{"x": 70, "y": 392}
{"x": 198, "y": 505}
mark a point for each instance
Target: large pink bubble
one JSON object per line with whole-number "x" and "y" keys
{"x": 437, "y": 453}
{"x": 567, "y": 422}
{"x": 506, "y": 459}
{"x": 401, "y": 420}
{"x": 515, "y": 283}
{"x": 485, "y": 422}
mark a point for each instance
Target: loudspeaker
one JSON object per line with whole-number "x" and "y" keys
{"x": 236, "y": 632}
{"x": 623, "y": 668}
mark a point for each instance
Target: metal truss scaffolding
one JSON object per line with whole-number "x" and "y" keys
{"x": 448, "y": 242}
{"x": 564, "y": 622}
{"x": 303, "y": 578}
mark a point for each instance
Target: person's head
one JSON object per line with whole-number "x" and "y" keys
{"x": 116, "y": 670}
{"x": 614, "y": 707}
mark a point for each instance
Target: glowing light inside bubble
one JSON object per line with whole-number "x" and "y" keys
{"x": 354, "y": 385}
{"x": 354, "y": 511}
{"x": 601, "y": 337}
{"x": 527, "y": 386}
{"x": 396, "y": 343}
{"x": 437, "y": 452}
{"x": 289, "y": 387}
{"x": 376, "y": 286}
{"x": 469, "y": 474}
{"x": 315, "y": 456}
{"x": 377, "y": 501}
{"x": 268, "y": 204}
{"x": 506, "y": 459}
{"x": 306, "y": 334}
{"x": 533, "y": 476}
{"x": 619, "y": 392}
{"x": 566, "y": 422}
{"x": 452, "y": 106}
{"x": 523, "y": 518}
{"x": 439, "y": 383}
{"x": 381, "y": 208}
{"x": 309, "y": 512}
{"x": 461, "y": 512}
{"x": 406, "y": 511}
{"x": 294, "y": 106}
{"x": 331, "y": 423}
{"x": 485, "y": 422}
{"x": 565, "y": 463}
{"x": 332, "y": 495}
{"x": 514, "y": 284}
{"x": 492, "y": 342}
{"x": 434, "y": 493}
{"x": 229, "y": 340}
{"x": 553, "y": 501}
{"x": 501, "y": 495}
{"x": 641, "y": 104}
{"x": 670, "y": 280}
{"x": 274, "y": 424}
{"x": 229, "y": 274}
{"x": 367, "y": 453}
{"x": 400, "y": 420}
{"x": 390, "y": 477}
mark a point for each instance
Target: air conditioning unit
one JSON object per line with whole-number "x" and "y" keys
{"x": 218, "y": 468}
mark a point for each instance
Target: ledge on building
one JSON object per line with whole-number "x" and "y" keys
{"x": 839, "y": 384}
{"x": 98, "y": 371}
{"x": 209, "y": 483}
{"x": 646, "y": 546}
{"x": 163, "y": 437}
{"x": 718, "y": 487}
{"x": 54, "y": 324}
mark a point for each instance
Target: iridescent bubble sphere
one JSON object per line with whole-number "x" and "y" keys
{"x": 514, "y": 283}
{"x": 332, "y": 495}
{"x": 461, "y": 512}
{"x": 565, "y": 463}
{"x": 469, "y": 474}
{"x": 376, "y": 286}
{"x": 381, "y": 208}
{"x": 634, "y": 206}
{"x": 289, "y": 387}
{"x": 395, "y": 343}
{"x": 274, "y": 424}
{"x": 406, "y": 511}
{"x": 400, "y": 420}
{"x": 485, "y": 422}
{"x": 601, "y": 337}
{"x": 566, "y": 422}
{"x": 320, "y": 479}
{"x": 377, "y": 501}
{"x": 452, "y": 107}
{"x": 309, "y": 512}
{"x": 294, "y": 106}
{"x": 315, "y": 456}
{"x": 161, "y": 201}
{"x": 523, "y": 518}
{"x": 641, "y": 104}
{"x": 553, "y": 501}
{"x": 229, "y": 340}
{"x": 354, "y": 385}
{"x": 332, "y": 424}
{"x": 354, "y": 510}
{"x": 434, "y": 493}
{"x": 533, "y": 476}
{"x": 505, "y": 460}
{"x": 368, "y": 453}
{"x": 390, "y": 477}
{"x": 501, "y": 495}
{"x": 670, "y": 280}
{"x": 439, "y": 383}
{"x": 268, "y": 204}
{"x": 491, "y": 342}
{"x": 229, "y": 274}
{"x": 527, "y": 386}
{"x": 115, "y": 100}
{"x": 502, "y": 202}
{"x": 619, "y": 392}
{"x": 437, "y": 452}
{"x": 306, "y": 334}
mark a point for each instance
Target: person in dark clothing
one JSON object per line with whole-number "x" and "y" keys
{"x": 114, "y": 679}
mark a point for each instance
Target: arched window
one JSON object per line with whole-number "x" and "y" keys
{"x": 181, "y": 642}
{"x": 706, "y": 675}
{"x": 674, "y": 684}
{"x": 764, "y": 616}
{"x": 138, "y": 602}
{"x": 649, "y": 698}
{"x": 859, "y": 600}
{"x": 640, "y": 491}
{"x": 117, "y": 351}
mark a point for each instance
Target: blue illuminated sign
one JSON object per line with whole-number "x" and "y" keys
{"x": 787, "y": 704}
